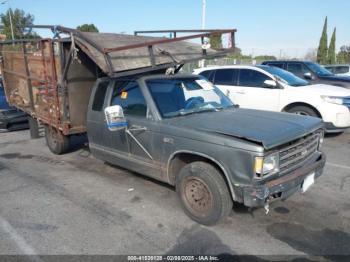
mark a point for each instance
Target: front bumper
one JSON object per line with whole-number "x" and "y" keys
{"x": 284, "y": 186}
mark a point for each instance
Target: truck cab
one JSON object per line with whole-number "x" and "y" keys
{"x": 182, "y": 130}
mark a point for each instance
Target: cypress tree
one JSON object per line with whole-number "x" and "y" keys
{"x": 322, "y": 52}
{"x": 332, "y": 57}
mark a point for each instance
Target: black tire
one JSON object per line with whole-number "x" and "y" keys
{"x": 56, "y": 141}
{"x": 303, "y": 110}
{"x": 203, "y": 193}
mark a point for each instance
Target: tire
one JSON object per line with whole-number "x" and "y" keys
{"x": 303, "y": 110}
{"x": 56, "y": 141}
{"x": 203, "y": 193}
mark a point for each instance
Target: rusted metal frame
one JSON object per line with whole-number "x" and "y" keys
{"x": 63, "y": 82}
{"x": 42, "y": 45}
{"x": 22, "y": 75}
{"x": 54, "y": 83}
{"x": 165, "y": 66}
{"x": 151, "y": 56}
{"x": 164, "y": 41}
{"x": 181, "y": 31}
{"x": 233, "y": 43}
{"x": 29, "y": 81}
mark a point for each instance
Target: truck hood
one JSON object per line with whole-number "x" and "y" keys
{"x": 327, "y": 90}
{"x": 267, "y": 128}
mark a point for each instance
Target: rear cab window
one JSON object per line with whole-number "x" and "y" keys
{"x": 100, "y": 96}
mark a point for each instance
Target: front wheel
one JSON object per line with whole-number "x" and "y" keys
{"x": 203, "y": 192}
{"x": 57, "y": 142}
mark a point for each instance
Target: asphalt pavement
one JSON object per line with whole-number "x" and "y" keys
{"x": 76, "y": 204}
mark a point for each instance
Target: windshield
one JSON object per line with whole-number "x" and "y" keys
{"x": 182, "y": 96}
{"x": 285, "y": 76}
{"x": 318, "y": 70}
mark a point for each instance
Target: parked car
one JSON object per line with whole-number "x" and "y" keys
{"x": 313, "y": 72}
{"x": 271, "y": 88}
{"x": 339, "y": 69}
{"x": 10, "y": 118}
{"x": 178, "y": 129}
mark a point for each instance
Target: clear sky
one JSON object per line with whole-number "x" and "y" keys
{"x": 264, "y": 26}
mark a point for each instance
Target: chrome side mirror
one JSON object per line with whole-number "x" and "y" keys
{"x": 308, "y": 76}
{"x": 115, "y": 118}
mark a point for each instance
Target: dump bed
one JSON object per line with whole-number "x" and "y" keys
{"x": 51, "y": 79}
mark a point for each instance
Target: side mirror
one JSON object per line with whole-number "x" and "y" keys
{"x": 308, "y": 76}
{"x": 270, "y": 84}
{"x": 115, "y": 118}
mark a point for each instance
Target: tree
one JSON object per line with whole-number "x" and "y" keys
{"x": 21, "y": 23}
{"x": 215, "y": 41}
{"x": 88, "y": 28}
{"x": 265, "y": 57}
{"x": 332, "y": 57}
{"x": 344, "y": 55}
{"x": 322, "y": 52}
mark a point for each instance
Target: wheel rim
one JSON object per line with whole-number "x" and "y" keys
{"x": 197, "y": 196}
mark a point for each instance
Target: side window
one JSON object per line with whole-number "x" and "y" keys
{"x": 225, "y": 77}
{"x": 128, "y": 95}
{"x": 341, "y": 69}
{"x": 208, "y": 74}
{"x": 100, "y": 94}
{"x": 297, "y": 69}
{"x": 330, "y": 69}
{"x": 252, "y": 78}
{"x": 280, "y": 65}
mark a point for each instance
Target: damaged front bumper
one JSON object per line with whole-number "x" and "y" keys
{"x": 284, "y": 186}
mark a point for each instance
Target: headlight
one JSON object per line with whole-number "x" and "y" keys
{"x": 266, "y": 165}
{"x": 333, "y": 99}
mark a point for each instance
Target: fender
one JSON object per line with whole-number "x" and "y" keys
{"x": 207, "y": 157}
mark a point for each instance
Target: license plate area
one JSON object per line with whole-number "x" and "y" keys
{"x": 308, "y": 182}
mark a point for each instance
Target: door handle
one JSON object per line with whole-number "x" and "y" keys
{"x": 240, "y": 92}
{"x": 137, "y": 128}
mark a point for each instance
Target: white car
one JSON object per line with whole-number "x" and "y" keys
{"x": 271, "y": 88}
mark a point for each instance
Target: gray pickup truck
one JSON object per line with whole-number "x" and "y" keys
{"x": 139, "y": 113}
{"x": 184, "y": 131}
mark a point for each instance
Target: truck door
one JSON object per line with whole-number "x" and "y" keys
{"x": 103, "y": 143}
{"x": 141, "y": 127}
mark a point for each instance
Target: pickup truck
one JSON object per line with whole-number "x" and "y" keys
{"x": 182, "y": 130}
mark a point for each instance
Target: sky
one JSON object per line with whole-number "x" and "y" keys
{"x": 272, "y": 27}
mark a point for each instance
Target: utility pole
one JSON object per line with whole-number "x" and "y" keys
{"x": 204, "y": 6}
{"x": 12, "y": 34}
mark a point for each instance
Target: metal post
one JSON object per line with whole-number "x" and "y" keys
{"x": 204, "y": 5}
{"x": 12, "y": 34}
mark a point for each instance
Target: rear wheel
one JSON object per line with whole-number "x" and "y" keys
{"x": 203, "y": 193}
{"x": 56, "y": 141}
{"x": 303, "y": 110}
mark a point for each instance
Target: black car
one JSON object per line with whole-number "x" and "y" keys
{"x": 311, "y": 71}
{"x": 10, "y": 118}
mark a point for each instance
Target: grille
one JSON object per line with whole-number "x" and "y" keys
{"x": 298, "y": 152}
